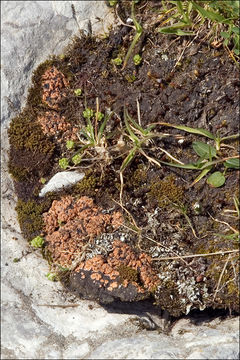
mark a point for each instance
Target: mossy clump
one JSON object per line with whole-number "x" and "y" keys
{"x": 30, "y": 217}
{"x": 166, "y": 192}
{"x": 138, "y": 177}
{"x": 86, "y": 186}
{"x": 127, "y": 273}
{"x": 31, "y": 152}
{"x": 25, "y": 133}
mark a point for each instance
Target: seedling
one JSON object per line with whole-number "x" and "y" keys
{"x": 51, "y": 276}
{"x": 42, "y": 180}
{"x": 63, "y": 163}
{"x": 78, "y": 92}
{"x": 37, "y": 242}
{"x": 70, "y": 144}
{"x": 137, "y": 36}
{"x": 117, "y": 61}
{"x": 186, "y": 16}
{"x": 207, "y": 155}
{"x": 137, "y": 59}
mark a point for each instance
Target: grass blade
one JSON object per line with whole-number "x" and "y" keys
{"x": 200, "y": 131}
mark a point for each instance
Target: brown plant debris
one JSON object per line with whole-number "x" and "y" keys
{"x": 54, "y": 85}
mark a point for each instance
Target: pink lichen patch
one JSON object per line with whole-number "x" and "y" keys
{"x": 70, "y": 224}
{"x": 122, "y": 256}
{"x": 53, "y": 124}
{"x": 54, "y": 85}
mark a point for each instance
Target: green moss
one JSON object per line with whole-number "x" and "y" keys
{"x": 166, "y": 192}
{"x": 138, "y": 177}
{"x": 30, "y": 217}
{"x": 127, "y": 273}
{"x": 18, "y": 173}
{"x": 87, "y": 185}
{"x": 24, "y": 133}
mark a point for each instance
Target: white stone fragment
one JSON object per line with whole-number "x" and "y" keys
{"x": 61, "y": 180}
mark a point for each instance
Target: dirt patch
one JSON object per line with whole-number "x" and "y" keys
{"x": 84, "y": 109}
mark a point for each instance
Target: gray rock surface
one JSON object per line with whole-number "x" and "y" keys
{"x": 34, "y": 323}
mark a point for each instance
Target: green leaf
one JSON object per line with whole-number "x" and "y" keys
{"x": 200, "y": 176}
{"x": 204, "y": 150}
{"x": 232, "y": 163}
{"x": 192, "y": 130}
{"x": 225, "y": 34}
{"x": 210, "y": 14}
{"x": 217, "y": 179}
{"x": 190, "y": 166}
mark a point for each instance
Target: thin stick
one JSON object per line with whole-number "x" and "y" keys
{"x": 196, "y": 255}
{"x": 220, "y": 277}
{"x": 164, "y": 247}
{"x": 225, "y": 223}
{"x": 59, "y": 306}
{"x": 138, "y": 113}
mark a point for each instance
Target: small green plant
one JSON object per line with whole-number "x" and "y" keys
{"x": 76, "y": 159}
{"x": 42, "y": 180}
{"x": 99, "y": 116}
{"x": 78, "y": 92}
{"x": 51, "y": 276}
{"x": 186, "y": 16}
{"x": 63, "y": 163}
{"x": 70, "y": 144}
{"x": 117, "y": 61}
{"x": 138, "y": 34}
{"x": 92, "y": 137}
{"x": 137, "y": 59}
{"x": 37, "y": 242}
{"x": 112, "y": 2}
{"x": 88, "y": 113}
{"x": 16, "y": 260}
{"x": 209, "y": 156}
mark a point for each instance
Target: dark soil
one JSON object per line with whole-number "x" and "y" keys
{"x": 164, "y": 215}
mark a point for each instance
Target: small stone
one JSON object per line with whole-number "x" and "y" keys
{"x": 61, "y": 180}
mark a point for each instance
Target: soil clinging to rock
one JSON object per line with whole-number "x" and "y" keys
{"x": 134, "y": 227}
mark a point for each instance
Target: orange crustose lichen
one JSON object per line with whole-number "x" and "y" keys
{"x": 54, "y": 124}
{"x": 70, "y": 224}
{"x": 54, "y": 84}
{"x": 106, "y": 269}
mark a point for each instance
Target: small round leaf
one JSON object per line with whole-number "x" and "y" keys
{"x": 217, "y": 179}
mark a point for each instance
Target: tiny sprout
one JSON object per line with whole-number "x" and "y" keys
{"x": 51, "y": 276}
{"x": 88, "y": 113}
{"x": 42, "y": 180}
{"x": 76, "y": 159}
{"x": 37, "y": 242}
{"x": 112, "y": 2}
{"x": 99, "y": 116}
{"x": 78, "y": 92}
{"x": 16, "y": 260}
{"x": 117, "y": 61}
{"x": 70, "y": 144}
{"x": 63, "y": 163}
{"x": 137, "y": 59}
